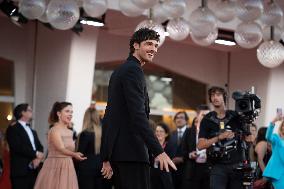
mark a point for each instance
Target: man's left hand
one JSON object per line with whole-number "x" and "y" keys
{"x": 107, "y": 170}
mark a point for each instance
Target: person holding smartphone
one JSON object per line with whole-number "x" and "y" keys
{"x": 274, "y": 170}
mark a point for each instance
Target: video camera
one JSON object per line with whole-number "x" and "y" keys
{"x": 247, "y": 104}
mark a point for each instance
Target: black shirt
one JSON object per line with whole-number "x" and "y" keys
{"x": 212, "y": 126}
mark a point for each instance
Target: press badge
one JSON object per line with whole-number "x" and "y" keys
{"x": 222, "y": 125}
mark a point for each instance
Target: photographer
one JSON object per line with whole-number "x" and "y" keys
{"x": 220, "y": 127}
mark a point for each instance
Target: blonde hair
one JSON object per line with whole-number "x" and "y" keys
{"x": 91, "y": 119}
{"x": 90, "y": 122}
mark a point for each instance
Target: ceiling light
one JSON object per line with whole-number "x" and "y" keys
{"x": 8, "y": 8}
{"x": 225, "y": 42}
{"x": 166, "y": 79}
{"x": 11, "y": 10}
{"x": 92, "y": 21}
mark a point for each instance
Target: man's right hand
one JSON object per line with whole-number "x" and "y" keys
{"x": 165, "y": 162}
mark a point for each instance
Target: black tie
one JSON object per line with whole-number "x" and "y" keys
{"x": 179, "y": 136}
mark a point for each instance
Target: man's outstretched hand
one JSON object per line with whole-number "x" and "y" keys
{"x": 165, "y": 162}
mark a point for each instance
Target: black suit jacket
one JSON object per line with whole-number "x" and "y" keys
{"x": 188, "y": 145}
{"x": 127, "y": 135}
{"x": 21, "y": 150}
{"x": 177, "y": 152}
{"x": 173, "y": 142}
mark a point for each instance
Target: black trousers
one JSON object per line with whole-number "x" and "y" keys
{"x": 177, "y": 176}
{"x": 223, "y": 176}
{"x": 24, "y": 182}
{"x": 89, "y": 181}
{"x": 160, "y": 179}
{"x": 131, "y": 175}
{"x": 199, "y": 178}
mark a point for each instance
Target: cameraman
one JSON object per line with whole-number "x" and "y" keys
{"x": 218, "y": 127}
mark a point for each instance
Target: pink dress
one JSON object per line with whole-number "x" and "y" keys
{"x": 58, "y": 170}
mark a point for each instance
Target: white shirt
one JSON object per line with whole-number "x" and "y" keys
{"x": 29, "y": 132}
{"x": 201, "y": 154}
{"x": 181, "y": 130}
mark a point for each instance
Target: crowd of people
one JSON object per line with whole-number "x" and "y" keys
{"x": 75, "y": 162}
{"x": 125, "y": 150}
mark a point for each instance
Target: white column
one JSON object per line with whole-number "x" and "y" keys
{"x": 274, "y": 93}
{"x": 64, "y": 72}
{"x": 81, "y": 73}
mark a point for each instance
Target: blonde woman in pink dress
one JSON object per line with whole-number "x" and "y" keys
{"x": 58, "y": 170}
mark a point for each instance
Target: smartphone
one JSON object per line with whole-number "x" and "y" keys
{"x": 279, "y": 111}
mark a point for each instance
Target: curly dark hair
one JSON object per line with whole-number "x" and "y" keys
{"x": 215, "y": 89}
{"x": 141, "y": 35}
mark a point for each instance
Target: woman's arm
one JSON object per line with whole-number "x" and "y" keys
{"x": 260, "y": 150}
{"x": 56, "y": 139}
{"x": 269, "y": 133}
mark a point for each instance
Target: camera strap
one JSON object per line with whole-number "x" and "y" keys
{"x": 213, "y": 117}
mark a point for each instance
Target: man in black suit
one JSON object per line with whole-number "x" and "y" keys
{"x": 127, "y": 136}
{"x": 181, "y": 121}
{"x": 26, "y": 150}
{"x": 196, "y": 168}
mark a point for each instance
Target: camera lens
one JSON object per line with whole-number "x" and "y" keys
{"x": 243, "y": 105}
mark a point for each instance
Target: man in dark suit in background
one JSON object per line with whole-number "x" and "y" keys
{"x": 127, "y": 135}
{"x": 181, "y": 122}
{"x": 26, "y": 151}
{"x": 196, "y": 168}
